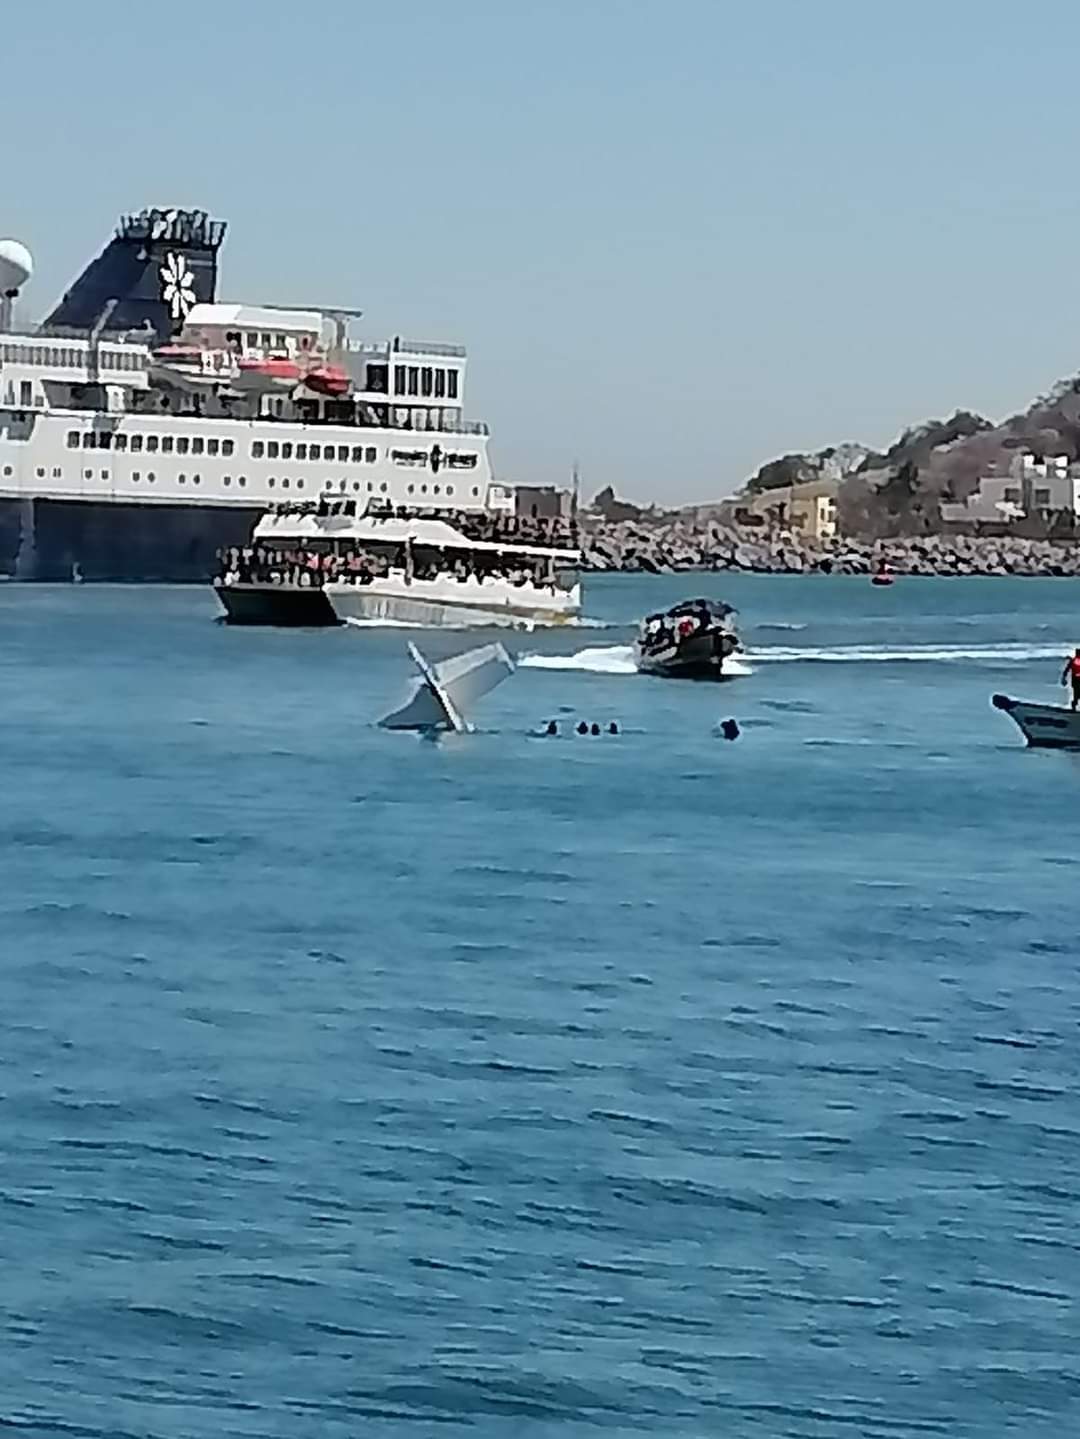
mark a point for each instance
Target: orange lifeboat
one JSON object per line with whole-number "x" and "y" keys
{"x": 328, "y": 379}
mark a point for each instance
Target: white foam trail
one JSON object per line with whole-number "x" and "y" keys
{"x": 914, "y": 654}
{"x": 608, "y": 660}
{"x": 599, "y": 660}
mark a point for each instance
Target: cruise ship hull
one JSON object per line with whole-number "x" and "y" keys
{"x": 116, "y": 540}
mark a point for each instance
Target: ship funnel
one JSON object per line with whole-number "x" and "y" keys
{"x": 158, "y": 265}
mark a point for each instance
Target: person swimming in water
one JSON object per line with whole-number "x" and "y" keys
{"x": 1071, "y": 675}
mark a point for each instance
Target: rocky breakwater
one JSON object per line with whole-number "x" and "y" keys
{"x": 667, "y": 548}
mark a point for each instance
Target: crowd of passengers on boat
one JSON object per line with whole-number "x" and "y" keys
{"x": 268, "y": 564}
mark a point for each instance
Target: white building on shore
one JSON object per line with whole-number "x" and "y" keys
{"x": 1033, "y": 487}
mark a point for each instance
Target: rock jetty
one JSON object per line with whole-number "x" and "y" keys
{"x": 667, "y": 547}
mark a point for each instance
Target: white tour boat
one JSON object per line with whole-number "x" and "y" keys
{"x": 333, "y": 562}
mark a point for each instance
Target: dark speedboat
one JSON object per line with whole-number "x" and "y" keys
{"x": 693, "y": 640}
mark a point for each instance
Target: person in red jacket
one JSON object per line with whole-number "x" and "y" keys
{"x": 1071, "y": 675}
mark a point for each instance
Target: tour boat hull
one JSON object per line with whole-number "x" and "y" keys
{"x": 443, "y": 604}
{"x": 1043, "y": 726}
{"x": 285, "y": 605}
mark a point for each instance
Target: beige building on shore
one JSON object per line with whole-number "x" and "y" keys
{"x": 808, "y": 509}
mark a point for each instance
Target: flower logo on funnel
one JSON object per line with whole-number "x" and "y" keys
{"x": 177, "y": 286}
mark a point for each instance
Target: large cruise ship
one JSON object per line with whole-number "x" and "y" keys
{"x": 145, "y": 424}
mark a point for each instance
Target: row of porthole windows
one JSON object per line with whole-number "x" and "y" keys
{"x": 168, "y": 444}
{"x": 328, "y": 486}
{"x": 437, "y": 489}
{"x": 242, "y": 482}
{"x": 136, "y": 476}
{"x": 286, "y": 450}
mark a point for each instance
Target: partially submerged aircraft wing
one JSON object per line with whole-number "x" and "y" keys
{"x": 447, "y": 689}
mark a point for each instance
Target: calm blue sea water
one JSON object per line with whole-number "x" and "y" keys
{"x": 351, "y": 1084}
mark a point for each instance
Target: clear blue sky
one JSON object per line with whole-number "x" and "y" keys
{"x": 678, "y": 238}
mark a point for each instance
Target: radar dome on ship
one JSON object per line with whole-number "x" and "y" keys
{"x": 16, "y": 266}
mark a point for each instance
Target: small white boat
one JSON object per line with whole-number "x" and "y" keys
{"x": 1043, "y": 726}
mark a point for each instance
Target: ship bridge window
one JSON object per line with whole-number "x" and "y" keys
{"x": 425, "y": 380}
{"x": 414, "y": 380}
{"x": 73, "y": 440}
{"x": 226, "y": 447}
{"x": 271, "y": 449}
{"x": 267, "y": 339}
{"x": 452, "y": 384}
{"x": 343, "y": 454}
{"x": 257, "y": 450}
{"x": 316, "y": 452}
{"x": 136, "y": 443}
{"x": 197, "y": 446}
{"x": 182, "y": 445}
{"x": 253, "y": 340}
{"x": 370, "y": 454}
{"x": 212, "y": 447}
{"x": 286, "y": 449}
{"x": 301, "y": 451}
{"x": 120, "y": 442}
{"x": 88, "y": 440}
{"x": 358, "y": 454}
{"x": 151, "y": 443}
{"x": 440, "y": 384}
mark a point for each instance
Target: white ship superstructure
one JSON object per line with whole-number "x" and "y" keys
{"x": 138, "y": 454}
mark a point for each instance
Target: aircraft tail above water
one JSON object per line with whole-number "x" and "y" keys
{"x": 446, "y": 690}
